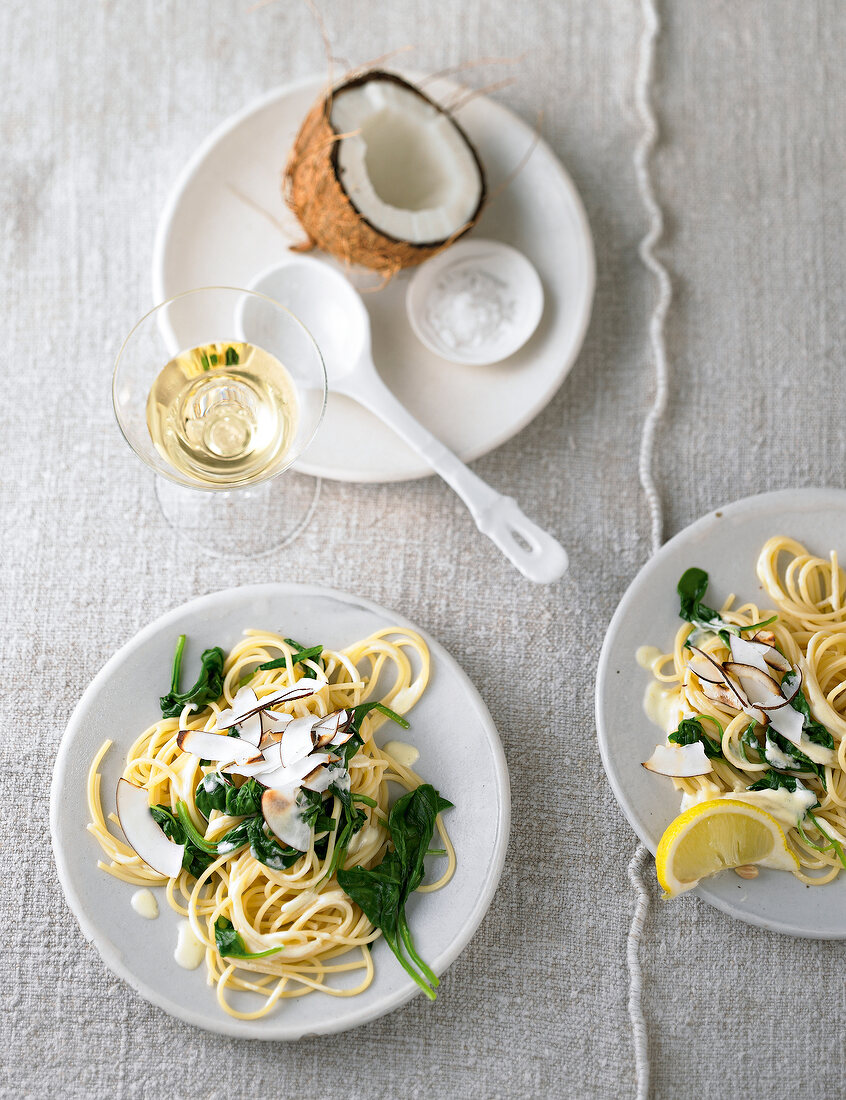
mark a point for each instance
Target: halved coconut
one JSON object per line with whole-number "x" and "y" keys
{"x": 381, "y": 175}
{"x": 682, "y": 761}
{"x": 143, "y": 833}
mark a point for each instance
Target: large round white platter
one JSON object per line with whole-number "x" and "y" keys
{"x": 225, "y": 222}
{"x": 460, "y": 753}
{"x": 725, "y": 543}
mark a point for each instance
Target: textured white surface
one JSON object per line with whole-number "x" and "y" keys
{"x": 102, "y": 104}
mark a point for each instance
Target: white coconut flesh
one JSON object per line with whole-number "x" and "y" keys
{"x": 679, "y": 760}
{"x": 405, "y": 166}
{"x": 143, "y": 833}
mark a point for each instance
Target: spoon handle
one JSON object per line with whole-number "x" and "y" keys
{"x": 537, "y": 555}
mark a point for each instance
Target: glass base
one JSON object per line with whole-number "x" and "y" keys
{"x": 241, "y": 523}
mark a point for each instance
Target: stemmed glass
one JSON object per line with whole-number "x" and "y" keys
{"x": 242, "y": 395}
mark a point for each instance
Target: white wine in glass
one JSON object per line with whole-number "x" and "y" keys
{"x": 223, "y": 413}
{"x": 219, "y": 390}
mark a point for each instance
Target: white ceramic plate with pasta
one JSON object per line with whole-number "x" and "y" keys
{"x": 726, "y": 543}
{"x": 225, "y": 222}
{"x": 459, "y": 754}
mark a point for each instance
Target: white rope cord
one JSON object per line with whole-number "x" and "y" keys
{"x": 642, "y": 154}
{"x": 643, "y": 151}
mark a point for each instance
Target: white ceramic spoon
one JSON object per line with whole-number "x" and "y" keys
{"x": 332, "y": 310}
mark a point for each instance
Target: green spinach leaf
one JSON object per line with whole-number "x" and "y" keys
{"x": 691, "y": 730}
{"x": 194, "y": 860}
{"x": 231, "y": 943}
{"x": 774, "y": 781}
{"x": 266, "y": 848}
{"x": 301, "y": 654}
{"x": 207, "y": 689}
{"x": 382, "y": 892}
{"x": 802, "y": 762}
{"x": 692, "y": 586}
{"x": 748, "y": 740}
{"x": 214, "y": 792}
{"x": 813, "y": 729}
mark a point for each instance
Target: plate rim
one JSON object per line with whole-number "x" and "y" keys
{"x": 813, "y": 498}
{"x": 275, "y": 95}
{"x": 111, "y": 956}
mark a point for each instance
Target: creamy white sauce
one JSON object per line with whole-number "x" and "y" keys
{"x": 189, "y": 952}
{"x": 773, "y": 755}
{"x": 145, "y": 905}
{"x": 404, "y": 754}
{"x": 365, "y": 836}
{"x": 663, "y": 706}
{"x": 786, "y": 807}
{"x": 647, "y": 655}
{"x": 707, "y": 793}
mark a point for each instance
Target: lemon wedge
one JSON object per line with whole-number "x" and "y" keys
{"x": 715, "y": 836}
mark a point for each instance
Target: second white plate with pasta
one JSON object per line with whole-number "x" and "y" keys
{"x": 773, "y": 554}
{"x": 288, "y": 830}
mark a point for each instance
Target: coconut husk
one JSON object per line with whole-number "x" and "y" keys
{"x": 332, "y": 223}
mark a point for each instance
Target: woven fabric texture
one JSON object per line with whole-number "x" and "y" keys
{"x": 102, "y": 104}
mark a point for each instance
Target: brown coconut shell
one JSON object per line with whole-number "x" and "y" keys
{"x": 314, "y": 191}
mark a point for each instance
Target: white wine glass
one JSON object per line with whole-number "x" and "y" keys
{"x": 219, "y": 391}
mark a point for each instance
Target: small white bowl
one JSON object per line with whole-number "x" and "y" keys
{"x": 477, "y": 302}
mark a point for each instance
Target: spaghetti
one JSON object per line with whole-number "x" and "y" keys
{"x": 747, "y": 758}
{"x": 300, "y": 908}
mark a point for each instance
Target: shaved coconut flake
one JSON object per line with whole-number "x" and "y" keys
{"x": 705, "y": 669}
{"x": 790, "y": 723}
{"x": 215, "y": 746}
{"x": 255, "y": 766}
{"x": 762, "y": 655}
{"x": 249, "y": 729}
{"x": 297, "y": 741}
{"x": 275, "y": 721}
{"x": 682, "y": 761}
{"x": 301, "y": 690}
{"x": 280, "y": 777}
{"x": 143, "y": 833}
{"x": 244, "y": 704}
{"x": 334, "y": 729}
{"x": 285, "y": 819}
{"x": 319, "y": 779}
{"x": 767, "y": 641}
{"x": 760, "y": 688}
{"x": 747, "y": 653}
{"x": 711, "y": 670}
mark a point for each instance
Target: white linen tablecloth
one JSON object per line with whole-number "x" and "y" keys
{"x": 102, "y": 103}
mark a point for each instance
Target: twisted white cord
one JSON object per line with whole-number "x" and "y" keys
{"x": 639, "y": 1036}
{"x": 642, "y": 153}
